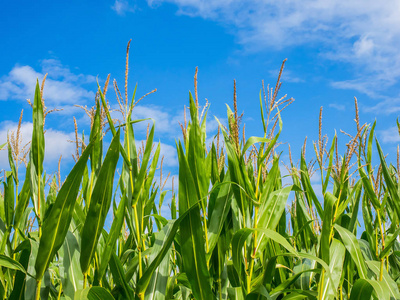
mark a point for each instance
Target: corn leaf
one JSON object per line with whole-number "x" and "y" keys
{"x": 99, "y": 205}
{"x": 56, "y": 225}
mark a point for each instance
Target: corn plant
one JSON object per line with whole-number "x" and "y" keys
{"x": 237, "y": 229}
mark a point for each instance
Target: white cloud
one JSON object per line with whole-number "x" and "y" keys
{"x": 62, "y": 86}
{"x": 56, "y": 142}
{"x": 364, "y": 34}
{"x": 122, "y": 6}
{"x": 360, "y": 85}
{"x": 57, "y": 71}
{"x": 390, "y": 135}
{"x": 170, "y": 155}
{"x": 287, "y": 76}
{"x": 363, "y": 47}
{"x": 165, "y": 121}
{"x": 337, "y": 106}
{"x": 388, "y": 106}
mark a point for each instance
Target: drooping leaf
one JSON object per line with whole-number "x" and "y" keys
{"x": 10, "y": 263}
{"x": 353, "y": 247}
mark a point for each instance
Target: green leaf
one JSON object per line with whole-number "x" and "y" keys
{"x": 18, "y": 292}
{"x": 362, "y": 290}
{"x": 274, "y": 140}
{"x": 30, "y": 289}
{"x": 55, "y": 226}
{"x": 241, "y": 236}
{"x": 235, "y": 293}
{"x": 192, "y": 243}
{"x": 389, "y": 284}
{"x": 369, "y": 148}
{"x": 262, "y": 114}
{"x": 166, "y": 244}
{"x": 96, "y": 138}
{"x": 158, "y": 282}
{"x": 10, "y": 263}
{"x": 353, "y": 247}
{"x": 112, "y": 127}
{"x": 258, "y": 293}
{"x": 367, "y": 215}
{"x": 12, "y": 164}
{"x": 271, "y": 211}
{"x": 9, "y": 199}
{"x": 330, "y": 285}
{"x": 329, "y": 169}
{"x": 309, "y": 191}
{"x": 219, "y": 214}
{"x": 295, "y": 296}
{"x": 281, "y": 288}
{"x": 251, "y": 141}
{"x": 151, "y": 171}
{"x": 70, "y": 270}
{"x": 93, "y": 293}
{"x": 37, "y": 153}
{"x": 37, "y": 144}
{"x": 195, "y": 152}
{"x": 329, "y": 203}
{"x": 389, "y": 182}
{"x": 368, "y": 187}
{"x": 133, "y": 264}
{"x": 389, "y": 242}
{"x": 114, "y": 234}
{"x": 99, "y": 205}
{"x": 119, "y": 277}
{"x": 140, "y": 180}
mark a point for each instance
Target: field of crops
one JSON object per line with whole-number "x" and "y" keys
{"x": 235, "y": 230}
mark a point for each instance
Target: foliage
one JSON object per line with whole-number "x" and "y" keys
{"x": 236, "y": 231}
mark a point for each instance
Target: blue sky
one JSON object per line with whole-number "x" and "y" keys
{"x": 335, "y": 49}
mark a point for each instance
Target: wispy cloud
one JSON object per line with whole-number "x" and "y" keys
{"x": 389, "y": 105}
{"x": 389, "y": 135}
{"x": 62, "y": 87}
{"x": 170, "y": 155}
{"x": 337, "y": 106}
{"x": 287, "y": 76}
{"x": 121, "y": 7}
{"x": 165, "y": 121}
{"x": 363, "y": 34}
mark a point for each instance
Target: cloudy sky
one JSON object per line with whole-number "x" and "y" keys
{"x": 335, "y": 49}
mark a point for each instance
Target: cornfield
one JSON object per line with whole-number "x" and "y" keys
{"x": 236, "y": 230}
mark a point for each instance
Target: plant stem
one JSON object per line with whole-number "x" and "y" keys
{"x": 322, "y": 285}
{"x": 38, "y": 284}
{"x": 205, "y": 230}
{"x": 59, "y": 292}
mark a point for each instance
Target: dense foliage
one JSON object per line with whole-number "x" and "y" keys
{"x": 235, "y": 230}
